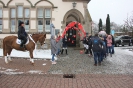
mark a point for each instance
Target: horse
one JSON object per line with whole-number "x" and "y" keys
{"x": 9, "y": 43}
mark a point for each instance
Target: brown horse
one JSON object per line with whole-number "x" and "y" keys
{"x": 9, "y": 43}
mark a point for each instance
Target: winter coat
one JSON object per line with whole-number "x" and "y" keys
{"x": 96, "y": 43}
{"x": 59, "y": 43}
{"x": 109, "y": 40}
{"x": 21, "y": 32}
{"x": 113, "y": 41}
{"x": 54, "y": 49}
{"x": 104, "y": 47}
{"x": 58, "y": 38}
{"x": 64, "y": 42}
{"x": 105, "y": 40}
{"x": 89, "y": 41}
{"x": 84, "y": 40}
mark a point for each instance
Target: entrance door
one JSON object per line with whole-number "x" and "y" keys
{"x": 71, "y": 37}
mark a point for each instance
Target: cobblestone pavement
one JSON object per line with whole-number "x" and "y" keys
{"x": 23, "y": 66}
{"x": 120, "y": 63}
{"x": 56, "y": 81}
{"x": 115, "y": 72}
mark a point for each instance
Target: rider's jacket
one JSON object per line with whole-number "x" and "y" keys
{"x": 22, "y": 32}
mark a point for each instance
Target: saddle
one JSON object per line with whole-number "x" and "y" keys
{"x": 18, "y": 41}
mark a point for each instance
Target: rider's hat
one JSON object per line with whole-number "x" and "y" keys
{"x": 21, "y": 23}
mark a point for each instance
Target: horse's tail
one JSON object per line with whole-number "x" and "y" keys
{"x": 4, "y": 47}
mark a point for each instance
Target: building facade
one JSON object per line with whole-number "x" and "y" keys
{"x": 39, "y": 14}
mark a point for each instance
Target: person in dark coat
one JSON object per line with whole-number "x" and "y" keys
{"x": 87, "y": 45}
{"x": 105, "y": 37}
{"x": 84, "y": 43}
{"x": 103, "y": 52}
{"x": 22, "y": 35}
{"x": 64, "y": 45}
{"x": 97, "y": 48}
{"x": 90, "y": 46}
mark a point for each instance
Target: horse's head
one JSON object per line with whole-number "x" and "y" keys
{"x": 42, "y": 39}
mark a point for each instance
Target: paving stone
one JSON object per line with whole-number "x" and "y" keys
{"x": 76, "y": 63}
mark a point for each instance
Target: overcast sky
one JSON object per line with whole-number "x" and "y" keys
{"x": 117, "y": 9}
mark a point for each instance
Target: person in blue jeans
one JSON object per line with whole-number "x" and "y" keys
{"x": 54, "y": 49}
{"x": 96, "y": 43}
{"x": 113, "y": 43}
{"x": 103, "y": 52}
{"x": 109, "y": 45}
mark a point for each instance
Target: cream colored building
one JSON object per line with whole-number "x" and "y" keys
{"x": 39, "y": 14}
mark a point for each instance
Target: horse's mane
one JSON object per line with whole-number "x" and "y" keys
{"x": 36, "y": 33}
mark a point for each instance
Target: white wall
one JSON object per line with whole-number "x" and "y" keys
{"x": 43, "y": 3}
{"x": 14, "y": 2}
{"x": 5, "y": 2}
{"x": 1, "y": 5}
{"x": 5, "y": 13}
{"x": 6, "y": 24}
{"x": 58, "y": 13}
{"x": 63, "y": 8}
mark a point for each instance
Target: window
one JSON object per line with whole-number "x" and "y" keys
{"x": 47, "y": 13}
{"x": 13, "y": 25}
{"x": 123, "y": 37}
{"x": 1, "y": 20}
{"x": 27, "y": 13}
{"x": 44, "y": 19}
{"x": 19, "y": 14}
{"x": 47, "y": 25}
{"x": 20, "y": 11}
{"x": 40, "y": 13}
{"x": 126, "y": 37}
{"x": 40, "y": 25}
{"x": 26, "y": 19}
{"x": 13, "y": 15}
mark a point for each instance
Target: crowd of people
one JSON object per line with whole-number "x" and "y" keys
{"x": 99, "y": 46}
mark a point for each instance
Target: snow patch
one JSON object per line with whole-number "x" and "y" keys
{"x": 42, "y": 54}
{"x": 11, "y": 73}
{"x": 9, "y": 70}
{"x": 35, "y": 72}
{"x": 2, "y": 68}
{"x": 44, "y": 64}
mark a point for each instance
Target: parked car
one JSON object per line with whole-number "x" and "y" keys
{"x": 123, "y": 40}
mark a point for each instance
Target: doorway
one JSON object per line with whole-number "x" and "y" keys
{"x": 71, "y": 36}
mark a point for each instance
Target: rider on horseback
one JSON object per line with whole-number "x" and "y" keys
{"x": 22, "y": 34}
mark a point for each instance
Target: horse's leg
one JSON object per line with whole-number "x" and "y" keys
{"x": 31, "y": 57}
{"x": 5, "y": 54}
{"x": 9, "y": 57}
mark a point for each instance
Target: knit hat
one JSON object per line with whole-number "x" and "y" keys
{"x": 20, "y": 23}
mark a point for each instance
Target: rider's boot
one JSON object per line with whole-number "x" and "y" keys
{"x": 22, "y": 44}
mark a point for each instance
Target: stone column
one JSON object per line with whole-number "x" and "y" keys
{"x": 6, "y": 21}
{"x": 33, "y": 21}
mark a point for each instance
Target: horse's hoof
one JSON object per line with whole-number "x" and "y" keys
{"x": 6, "y": 62}
{"x": 10, "y": 60}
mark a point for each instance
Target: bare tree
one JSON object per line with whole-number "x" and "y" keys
{"x": 129, "y": 23}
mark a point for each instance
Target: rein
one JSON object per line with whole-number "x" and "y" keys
{"x": 33, "y": 42}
